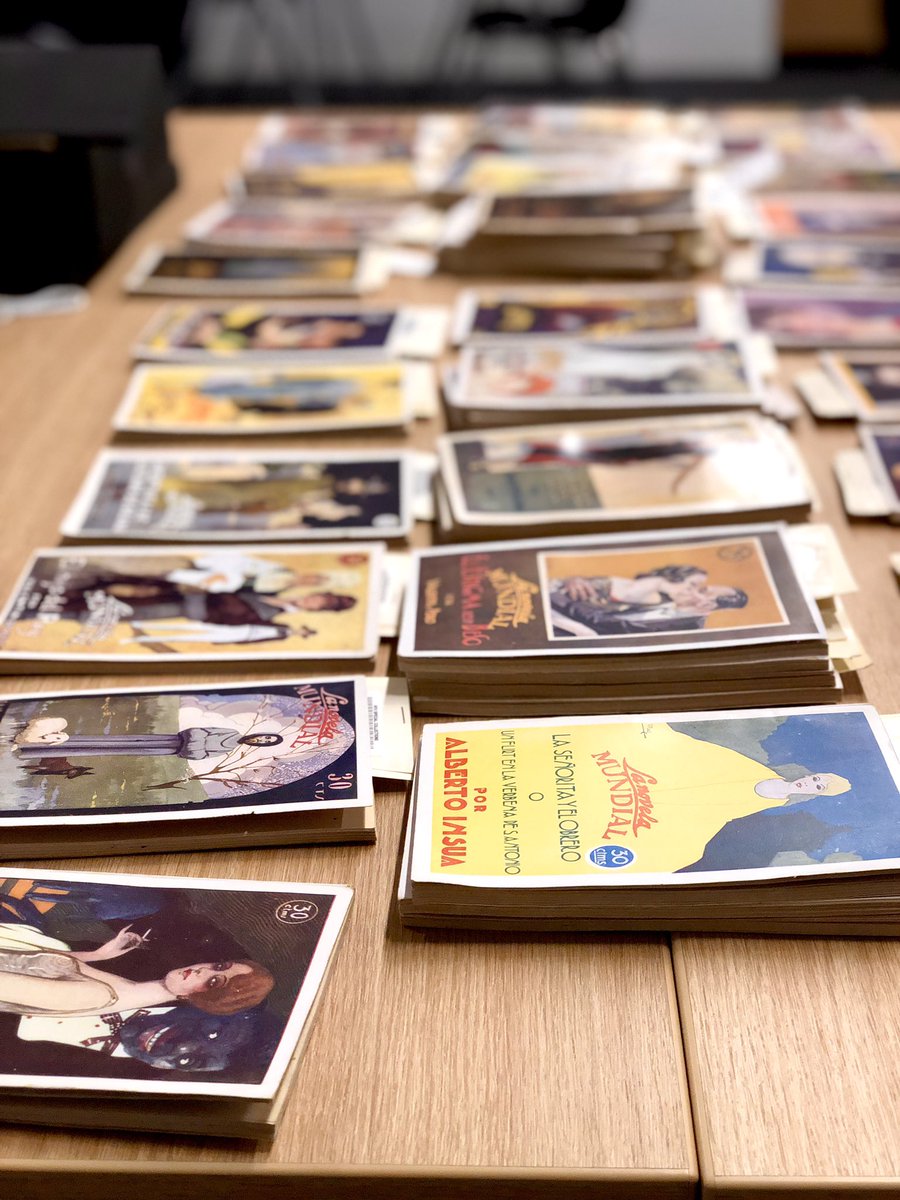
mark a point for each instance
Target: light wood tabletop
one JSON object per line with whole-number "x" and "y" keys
{"x": 448, "y": 1065}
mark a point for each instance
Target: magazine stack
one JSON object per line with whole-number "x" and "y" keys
{"x": 652, "y": 621}
{"x": 774, "y": 821}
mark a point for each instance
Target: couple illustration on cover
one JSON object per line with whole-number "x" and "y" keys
{"x": 669, "y": 598}
{"x": 218, "y": 597}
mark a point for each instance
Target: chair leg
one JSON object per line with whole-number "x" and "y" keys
{"x": 450, "y": 45}
{"x": 557, "y": 57}
{"x": 611, "y": 49}
{"x": 279, "y": 20}
{"x": 361, "y": 36}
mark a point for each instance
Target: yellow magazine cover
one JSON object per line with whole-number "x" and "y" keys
{"x": 591, "y": 801}
{"x": 236, "y": 399}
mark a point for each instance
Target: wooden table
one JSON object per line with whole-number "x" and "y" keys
{"x": 448, "y": 1066}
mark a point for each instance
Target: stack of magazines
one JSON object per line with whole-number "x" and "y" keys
{"x": 556, "y": 189}
{"x": 697, "y": 618}
{"x": 542, "y": 380}
{"x": 159, "y": 1004}
{"x": 639, "y": 233}
{"x": 775, "y": 821}
{"x": 655, "y": 472}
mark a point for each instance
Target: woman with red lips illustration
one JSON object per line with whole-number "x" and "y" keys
{"x": 39, "y": 978}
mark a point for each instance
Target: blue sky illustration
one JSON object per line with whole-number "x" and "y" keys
{"x": 864, "y": 821}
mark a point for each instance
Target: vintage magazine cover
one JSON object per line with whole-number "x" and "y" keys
{"x": 823, "y": 263}
{"x": 637, "y": 312}
{"x": 882, "y": 449}
{"x": 241, "y": 399}
{"x": 869, "y": 382}
{"x": 118, "y": 756}
{"x": 148, "y": 985}
{"x": 307, "y": 272}
{"x": 264, "y": 331}
{"x": 533, "y": 375}
{"x": 234, "y": 495}
{"x": 669, "y": 799}
{"x": 194, "y": 603}
{"x": 617, "y": 594}
{"x": 639, "y": 470}
{"x": 809, "y": 318}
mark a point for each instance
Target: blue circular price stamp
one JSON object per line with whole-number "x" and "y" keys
{"x": 611, "y": 857}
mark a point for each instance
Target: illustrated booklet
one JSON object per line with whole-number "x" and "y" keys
{"x": 826, "y": 263}
{"x": 812, "y": 318}
{"x": 783, "y": 820}
{"x": 544, "y": 380}
{"x": 615, "y": 623}
{"x": 797, "y": 215}
{"x": 653, "y": 472}
{"x": 855, "y": 385}
{"x": 584, "y": 234}
{"x": 222, "y": 495}
{"x": 241, "y": 399}
{"x": 264, "y": 332}
{"x": 302, "y": 272}
{"x": 639, "y": 312}
{"x": 73, "y": 609}
{"x": 196, "y": 767}
{"x": 286, "y": 225}
{"x": 159, "y": 1004}
{"x": 869, "y": 477}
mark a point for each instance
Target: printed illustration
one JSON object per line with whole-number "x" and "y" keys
{"x": 281, "y": 224}
{"x": 249, "y": 328}
{"x": 655, "y": 467}
{"x": 807, "y": 319}
{"x": 247, "y": 267}
{"x": 255, "y": 400}
{"x": 195, "y": 751}
{"x": 149, "y": 988}
{"x": 725, "y": 584}
{"x": 873, "y": 383}
{"x": 537, "y": 210}
{"x": 886, "y": 448}
{"x": 209, "y": 603}
{"x": 516, "y": 372}
{"x": 830, "y": 262}
{"x": 273, "y": 174}
{"x": 203, "y": 495}
{"x": 614, "y": 317}
{"x": 607, "y": 594}
{"x": 801, "y": 216}
{"x": 592, "y": 801}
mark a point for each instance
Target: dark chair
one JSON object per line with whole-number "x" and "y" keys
{"x": 589, "y": 21}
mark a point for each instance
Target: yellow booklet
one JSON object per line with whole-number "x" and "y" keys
{"x": 587, "y": 801}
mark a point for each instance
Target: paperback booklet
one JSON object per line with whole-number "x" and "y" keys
{"x": 155, "y": 1003}
{"x": 780, "y": 820}
{"x": 117, "y": 606}
{"x": 869, "y": 477}
{"x": 220, "y": 495}
{"x": 658, "y": 471}
{"x": 307, "y": 272}
{"x": 501, "y": 383}
{"x": 809, "y": 318}
{"x": 639, "y": 312}
{"x": 269, "y": 332}
{"x": 290, "y": 225}
{"x": 856, "y": 385}
{"x": 797, "y": 215}
{"x": 194, "y": 767}
{"x": 615, "y": 623}
{"x": 239, "y": 399}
